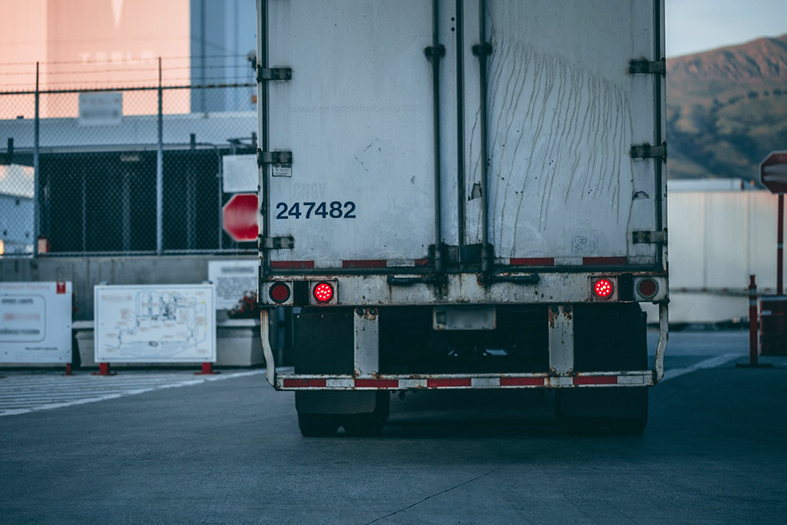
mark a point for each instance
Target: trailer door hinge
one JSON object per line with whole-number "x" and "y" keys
{"x": 276, "y": 243}
{"x": 647, "y": 67}
{"x": 276, "y": 73}
{"x": 648, "y": 151}
{"x": 657, "y": 237}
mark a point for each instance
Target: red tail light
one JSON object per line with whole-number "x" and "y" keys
{"x": 323, "y": 292}
{"x": 648, "y": 288}
{"x": 603, "y": 288}
{"x": 279, "y": 293}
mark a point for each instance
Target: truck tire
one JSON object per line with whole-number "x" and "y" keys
{"x": 318, "y": 425}
{"x": 622, "y": 411}
{"x": 628, "y": 426}
{"x": 369, "y": 424}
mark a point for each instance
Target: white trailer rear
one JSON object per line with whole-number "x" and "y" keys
{"x": 463, "y": 194}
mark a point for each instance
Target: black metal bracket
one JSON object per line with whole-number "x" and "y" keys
{"x": 644, "y": 237}
{"x": 278, "y": 73}
{"x": 276, "y": 243}
{"x": 648, "y": 151}
{"x": 274, "y": 157}
{"x": 432, "y": 51}
{"x": 484, "y": 49}
{"x": 425, "y": 279}
{"x": 532, "y": 278}
{"x": 647, "y": 67}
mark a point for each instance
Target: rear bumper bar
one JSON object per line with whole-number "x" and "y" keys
{"x": 463, "y": 381}
{"x": 638, "y": 378}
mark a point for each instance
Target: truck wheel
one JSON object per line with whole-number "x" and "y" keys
{"x": 623, "y": 411}
{"x": 629, "y": 426}
{"x": 634, "y": 418}
{"x": 318, "y": 425}
{"x": 369, "y": 424}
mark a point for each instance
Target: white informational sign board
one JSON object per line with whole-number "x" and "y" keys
{"x": 232, "y": 280}
{"x": 100, "y": 109}
{"x": 155, "y": 324}
{"x": 240, "y": 173}
{"x": 35, "y": 322}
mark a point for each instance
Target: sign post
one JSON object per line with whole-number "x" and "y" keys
{"x": 239, "y": 217}
{"x": 773, "y": 175}
{"x": 773, "y": 310}
{"x": 780, "y": 248}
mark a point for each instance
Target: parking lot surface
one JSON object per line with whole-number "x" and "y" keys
{"x": 229, "y": 451}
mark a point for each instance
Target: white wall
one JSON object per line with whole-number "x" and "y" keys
{"x": 716, "y": 240}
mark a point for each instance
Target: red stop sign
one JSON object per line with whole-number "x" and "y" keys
{"x": 773, "y": 172}
{"x": 239, "y": 217}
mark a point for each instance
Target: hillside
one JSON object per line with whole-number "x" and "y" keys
{"x": 727, "y": 109}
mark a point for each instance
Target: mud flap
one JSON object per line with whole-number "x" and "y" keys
{"x": 603, "y": 403}
{"x": 336, "y": 402}
{"x": 361, "y": 413}
{"x": 621, "y": 410}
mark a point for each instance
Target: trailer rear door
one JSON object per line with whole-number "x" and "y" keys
{"x": 357, "y": 118}
{"x": 563, "y": 112}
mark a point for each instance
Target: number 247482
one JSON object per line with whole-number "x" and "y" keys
{"x": 310, "y": 210}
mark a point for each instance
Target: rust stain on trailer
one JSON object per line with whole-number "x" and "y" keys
{"x": 555, "y": 129}
{"x": 554, "y": 313}
{"x": 369, "y": 314}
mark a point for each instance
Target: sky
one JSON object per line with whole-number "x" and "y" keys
{"x": 700, "y": 25}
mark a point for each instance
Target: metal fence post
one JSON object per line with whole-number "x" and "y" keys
{"x": 36, "y": 176}
{"x": 160, "y": 169}
{"x": 191, "y": 196}
{"x": 221, "y": 201}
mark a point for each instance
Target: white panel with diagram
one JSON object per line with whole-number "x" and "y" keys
{"x": 155, "y": 324}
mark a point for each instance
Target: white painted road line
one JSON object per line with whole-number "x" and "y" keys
{"x": 24, "y": 393}
{"x": 713, "y": 362}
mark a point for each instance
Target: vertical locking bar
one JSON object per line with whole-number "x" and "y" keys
{"x": 435, "y": 53}
{"x": 460, "y": 125}
{"x": 482, "y": 51}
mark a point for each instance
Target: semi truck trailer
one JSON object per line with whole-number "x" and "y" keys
{"x": 463, "y": 194}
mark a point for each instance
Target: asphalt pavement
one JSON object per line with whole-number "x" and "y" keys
{"x": 229, "y": 451}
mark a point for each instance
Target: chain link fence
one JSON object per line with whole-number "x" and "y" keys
{"x": 132, "y": 170}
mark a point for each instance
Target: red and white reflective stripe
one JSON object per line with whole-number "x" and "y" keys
{"x": 301, "y": 382}
{"x": 410, "y": 263}
{"x": 605, "y": 261}
{"x": 532, "y": 261}
{"x": 365, "y": 264}
{"x": 297, "y": 265}
{"x": 361, "y": 263}
{"x": 566, "y": 261}
{"x": 304, "y": 383}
